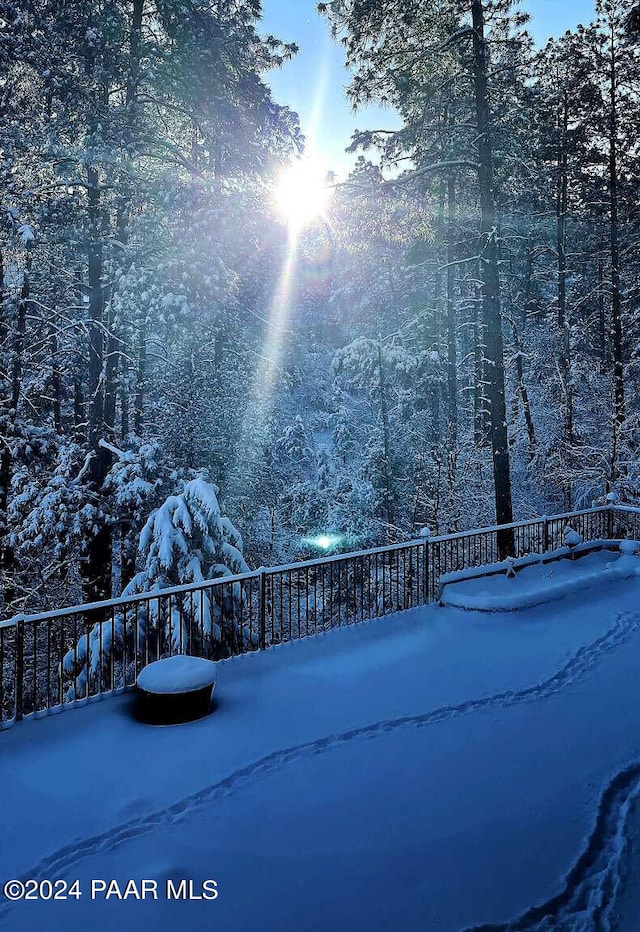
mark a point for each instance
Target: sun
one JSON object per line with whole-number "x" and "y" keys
{"x": 301, "y": 193}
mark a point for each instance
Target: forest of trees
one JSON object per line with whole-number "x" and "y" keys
{"x": 457, "y": 343}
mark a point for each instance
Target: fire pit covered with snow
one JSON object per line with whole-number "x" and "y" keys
{"x": 176, "y": 689}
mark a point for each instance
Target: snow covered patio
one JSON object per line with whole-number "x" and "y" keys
{"x": 437, "y": 769}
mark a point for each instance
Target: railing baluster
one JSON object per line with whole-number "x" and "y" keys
{"x": 60, "y": 668}
{"x": 122, "y": 683}
{"x": 315, "y": 599}
{"x": 19, "y": 669}
{"x": 75, "y": 656}
{"x": 202, "y": 634}
{"x": 270, "y": 603}
{"x": 34, "y": 677}
{"x": 137, "y": 638}
{"x": 262, "y": 603}
{"x": 100, "y": 653}
{"x": 2, "y": 655}
{"x": 112, "y": 652}
{"x": 331, "y": 595}
{"x": 87, "y": 631}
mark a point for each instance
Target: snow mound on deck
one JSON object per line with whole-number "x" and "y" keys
{"x": 518, "y": 584}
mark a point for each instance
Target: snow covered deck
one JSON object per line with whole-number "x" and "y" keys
{"x": 434, "y": 770}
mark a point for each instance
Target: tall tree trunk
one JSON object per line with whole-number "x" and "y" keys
{"x": 522, "y": 392}
{"x": 526, "y": 299}
{"x": 115, "y": 361}
{"x": 564, "y": 324}
{"x": 437, "y": 278}
{"x": 79, "y": 412}
{"x": 491, "y": 287}
{"x": 110, "y": 379}
{"x": 131, "y": 110}
{"x": 616, "y": 309}
{"x": 56, "y": 373}
{"x": 480, "y": 408}
{"x": 561, "y": 208}
{"x": 4, "y": 488}
{"x": 452, "y": 361}
{"x": 97, "y": 565}
{"x": 7, "y": 553}
{"x": 602, "y": 323}
{"x": 388, "y": 495}
{"x": 79, "y": 399}
{"x": 56, "y": 382}
{"x": 133, "y": 77}
{"x": 124, "y": 406}
{"x": 141, "y": 375}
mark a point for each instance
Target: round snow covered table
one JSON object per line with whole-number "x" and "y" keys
{"x": 175, "y": 690}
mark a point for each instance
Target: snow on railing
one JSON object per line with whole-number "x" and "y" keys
{"x": 55, "y": 659}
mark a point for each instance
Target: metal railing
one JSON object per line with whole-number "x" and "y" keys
{"x": 52, "y": 660}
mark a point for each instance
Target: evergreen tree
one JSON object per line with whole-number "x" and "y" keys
{"x": 185, "y": 540}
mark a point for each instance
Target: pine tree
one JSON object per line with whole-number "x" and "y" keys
{"x": 185, "y": 540}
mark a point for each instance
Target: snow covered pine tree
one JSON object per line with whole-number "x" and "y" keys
{"x": 185, "y": 540}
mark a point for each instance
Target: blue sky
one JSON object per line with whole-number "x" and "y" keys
{"x": 313, "y": 83}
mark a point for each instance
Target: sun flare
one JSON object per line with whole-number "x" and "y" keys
{"x": 301, "y": 193}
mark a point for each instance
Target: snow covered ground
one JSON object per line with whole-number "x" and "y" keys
{"x": 435, "y": 770}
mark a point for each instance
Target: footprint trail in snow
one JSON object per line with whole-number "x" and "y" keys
{"x": 588, "y": 899}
